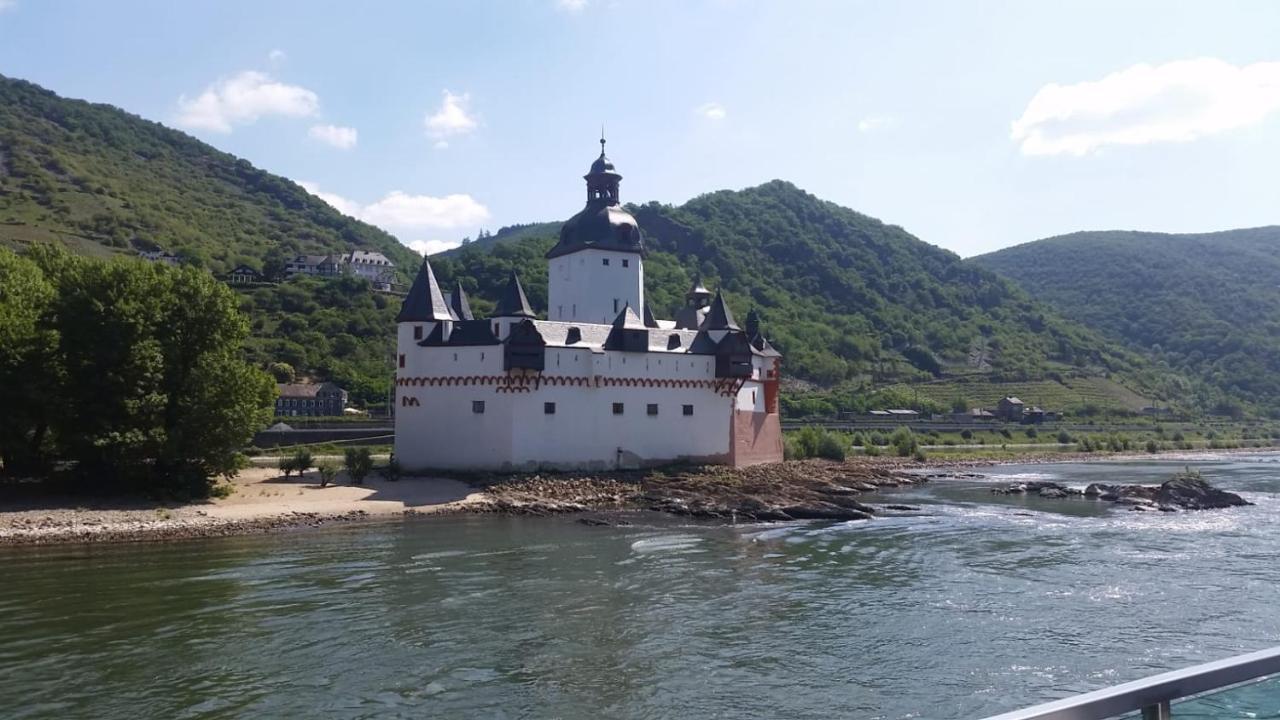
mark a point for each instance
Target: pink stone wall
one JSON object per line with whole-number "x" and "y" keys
{"x": 756, "y": 438}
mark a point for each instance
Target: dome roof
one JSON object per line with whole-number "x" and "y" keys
{"x": 601, "y": 166}
{"x": 601, "y": 226}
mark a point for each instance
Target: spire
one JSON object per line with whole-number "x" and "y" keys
{"x": 602, "y": 179}
{"x": 459, "y": 304}
{"x": 424, "y": 302}
{"x": 719, "y": 317}
{"x": 753, "y": 323}
{"x": 697, "y": 291}
{"x": 628, "y": 319}
{"x": 649, "y": 320}
{"x": 513, "y": 302}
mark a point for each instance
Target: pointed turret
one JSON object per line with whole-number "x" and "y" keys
{"x": 629, "y": 333}
{"x": 649, "y": 320}
{"x": 425, "y": 302}
{"x": 628, "y": 319}
{"x": 459, "y": 304}
{"x": 513, "y": 302}
{"x": 753, "y": 323}
{"x": 719, "y": 317}
{"x": 698, "y": 294}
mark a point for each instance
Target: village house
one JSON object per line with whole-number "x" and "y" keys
{"x": 315, "y": 265}
{"x": 310, "y": 399}
{"x": 1009, "y": 409}
{"x": 161, "y": 256}
{"x": 373, "y": 266}
{"x": 601, "y": 384}
{"x": 243, "y": 275}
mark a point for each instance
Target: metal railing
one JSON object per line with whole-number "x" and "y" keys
{"x": 1153, "y": 696}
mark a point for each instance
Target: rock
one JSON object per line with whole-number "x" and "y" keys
{"x": 1014, "y": 489}
{"x": 1191, "y": 492}
{"x": 1134, "y": 501}
{"x": 1052, "y": 492}
{"x": 901, "y": 508}
{"x": 824, "y": 511}
{"x": 1094, "y": 490}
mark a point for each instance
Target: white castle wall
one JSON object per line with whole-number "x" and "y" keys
{"x": 581, "y": 288}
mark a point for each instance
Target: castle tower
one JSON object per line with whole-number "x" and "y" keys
{"x": 597, "y": 267}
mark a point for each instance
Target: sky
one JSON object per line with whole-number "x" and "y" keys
{"x": 973, "y": 125}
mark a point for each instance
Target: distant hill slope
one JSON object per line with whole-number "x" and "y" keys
{"x": 100, "y": 180}
{"x": 854, "y": 303}
{"x": 1207, "y": 305}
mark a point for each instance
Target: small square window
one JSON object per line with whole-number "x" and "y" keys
{"x": 626, "y": 262}
{"x": 417, "y": 332}
{"x": 548, "y": 408}
{"x": 606, "y": 261}
{"x": 652, "y": 409}
{"x": 617, "y": 408}
{"x": 687, "y": 409}
{"x": 477, "y": 407}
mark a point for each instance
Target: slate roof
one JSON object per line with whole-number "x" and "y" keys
{"x": 424, "y": 302}
{"x": 459, "y": 304}
{"x": 649, "y": 320}
{"x": 719, "y": 317}
{"x": 628, "y": 319}
{"x": 513, "y": 302}
{"x": 304, "y": 390}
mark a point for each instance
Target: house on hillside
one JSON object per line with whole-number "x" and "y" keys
{"x": 1010, "y": 408}
{"x": 316, "y": 265}
{"x": 310, "y": 400}
{"x": 373, "y": 266}
{"x": 160, "y": 256}
{"x": 243, "y": 275}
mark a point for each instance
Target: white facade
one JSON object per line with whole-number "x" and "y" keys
{"x": 594, "y": 386}
{"x": 594, "y": 285}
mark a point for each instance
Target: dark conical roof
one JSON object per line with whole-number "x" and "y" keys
{"x": 602, "y": 224}
{"x": 752, "y": 325}
{"x": 649, "y": 320}
{"x": 628, "y": 319}
{"x": 459, "y": 304}
{"x": 513, "y": 302}
{"x": 424, "y": 302}
{"x": 697, "y": 290}
{"x": 719, "y": 317}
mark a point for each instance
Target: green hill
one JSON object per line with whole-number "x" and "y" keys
{"x": 857, "y": 305}
{"x": 103, "y": 182}
{"x": 1206, "y": 305}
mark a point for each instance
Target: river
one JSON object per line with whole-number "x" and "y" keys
{"x": 982, "y": 604}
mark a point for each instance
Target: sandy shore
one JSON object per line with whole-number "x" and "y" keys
{"x": 264, "y": 501}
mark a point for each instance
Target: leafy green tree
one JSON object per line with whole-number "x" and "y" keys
{"x": 328, "y": 471}
{"x": 28, "y": 374}
{"x": 359, "y": 463}
{"x": 282, "y": 372}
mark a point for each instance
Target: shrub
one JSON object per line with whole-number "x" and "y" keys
{"x": 1153, "y": 446}
{"x": 904, "y": 442}
{"x": 1006, "y": 434}
{"x": 359, "y": 463}
{"x": 870, "y": 450}
{"x": 830, "y": 447}
{"x": 302, "y": 461}
{"x": 1032, "y": 432}
{"x": 328, "y": 471}
{"x": 966, "y": 434}
{"x": 1064, "y": 437}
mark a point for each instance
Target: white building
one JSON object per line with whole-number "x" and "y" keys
{"x": 373, "y": 266}
{"x": 601, "y": 384}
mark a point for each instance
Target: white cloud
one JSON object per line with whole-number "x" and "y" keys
{"x": 11, "y": 4}
{"x": 1176, "y": 102}
{"x": 242, "y": 99}
{"x": 431, "y": 247}
{"x": 277, "y": 56}
{"x": 453, "y": 117}
{"x": 343, "y": 138}
{"x": 400, "y": 213}
{"x": 711, "y": 111}
{"x": 874, "y": 122}
{"x": 441, "y": 145}
{"x": 571, "y": 6}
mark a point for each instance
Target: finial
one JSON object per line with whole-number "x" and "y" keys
{"x": 602, "y": 139}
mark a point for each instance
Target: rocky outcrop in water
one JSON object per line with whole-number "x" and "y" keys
{"x": 1185, "y": 491}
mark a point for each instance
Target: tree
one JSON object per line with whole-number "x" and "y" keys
{"x": 28, "y": 376}
{"x": 328, "y": 471}
{"x": 359, "y": 463}
{"x": 153, "y": 393}
{"x": 301, "y": 461}
{"x": 283, "y": 372}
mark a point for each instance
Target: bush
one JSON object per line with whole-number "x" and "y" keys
{"x": 966, "y": 434}
{"x": 301, "y": 462}
{"x": 812, "y": 441}
{"x": 359, "y": 463}
{"x": 1153, "y": 446}
{"x": 870, "y": 450}
{"x": 1064, "y": 437}
{"x": 904, "y": 442}
{"x": 1032, "y": 433}
{"x": 328, "y": 471}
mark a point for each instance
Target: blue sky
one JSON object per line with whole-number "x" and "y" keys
{"x": 974, "y": 125}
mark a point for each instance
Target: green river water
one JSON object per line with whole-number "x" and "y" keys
{"x": 982, "y": 604}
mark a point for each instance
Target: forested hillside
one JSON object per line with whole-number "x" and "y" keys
{"x": 1206, "y": 305}
{"x": 102, "y": 181}
{"x": 854, "y": 304}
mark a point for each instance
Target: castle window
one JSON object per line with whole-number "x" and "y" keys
{"x": 417, "y": 332}
{"x": 652, "y": 409}
{"x": 548, "y": 408}
{"x": 606, "y": 261}
{"x": 626, "y": 262}
{"x": 687, "y": 409}
{"x": 402, "y": 360}
{"x": 477, "y": 407}
{"x": 617, "y": 408}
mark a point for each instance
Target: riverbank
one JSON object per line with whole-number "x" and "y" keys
{"x": 262, "y": 500}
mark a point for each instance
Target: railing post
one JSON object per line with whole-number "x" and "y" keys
{"x": 1159, "y": 711}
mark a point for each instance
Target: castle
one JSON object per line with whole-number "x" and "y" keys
{"x": 600, "y": 384}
